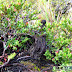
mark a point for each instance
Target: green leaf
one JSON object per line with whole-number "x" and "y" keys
{"x": 16, "y": 42}
{"x": 26, "y": 39}
{"x": 1, "y": 63}
{"x": 11, "y": 56}
{"x": 14, "y": 48}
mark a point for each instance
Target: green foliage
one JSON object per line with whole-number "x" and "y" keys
{"x": 48, "y": 55}
{"x": 63, "y": 57}
{"x": 59, "y": 35}
{"x": 9, "y": 14}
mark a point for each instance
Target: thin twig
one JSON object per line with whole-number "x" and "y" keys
{"x": 23, "y": 57}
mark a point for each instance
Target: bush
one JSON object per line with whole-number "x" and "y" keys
{"x": 15, "y": 27}
{"x": 59, "y": 42}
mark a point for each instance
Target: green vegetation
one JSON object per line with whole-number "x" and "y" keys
{"x": 15, "y": 19}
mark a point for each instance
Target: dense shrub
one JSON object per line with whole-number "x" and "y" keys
{"x": 15, "y": 27}
{"x": 59, "y": 41}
